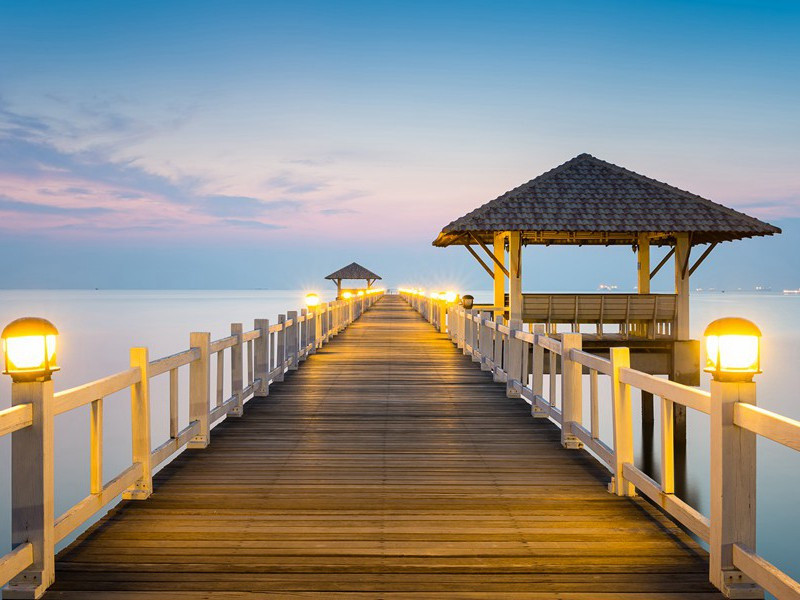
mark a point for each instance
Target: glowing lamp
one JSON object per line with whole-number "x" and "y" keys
{"x": 312, "y": 300}
{"x": 29, "y": 345}
{"x": 467, "y": 301}
{"x": 347, "y": 295}
{"x": 733, "y": 349}
{"x": 360, "y": 292}
{"x": 450, "y": 297}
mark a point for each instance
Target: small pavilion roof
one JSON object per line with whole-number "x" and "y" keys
{"x": 589, "y": 201}
{"x": 353, "y": 271}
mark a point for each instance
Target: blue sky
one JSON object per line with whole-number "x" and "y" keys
{"x": 256, "y": 144}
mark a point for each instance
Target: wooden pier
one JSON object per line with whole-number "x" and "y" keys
{"x": 385, "y": 462}
{"x": 387, "y": 466}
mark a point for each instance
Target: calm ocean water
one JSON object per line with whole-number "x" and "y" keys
{"x": 98, "y": 328}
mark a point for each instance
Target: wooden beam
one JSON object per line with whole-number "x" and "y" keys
{"x": 663, "y": 262}
{"x": 480, "y": 260}
{"x": 705, "y": 253}
{"x": 490, "y": 253}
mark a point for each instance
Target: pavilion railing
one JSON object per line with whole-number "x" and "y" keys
{"x": 517, "y": 358}
{"x": 257, "y": 358}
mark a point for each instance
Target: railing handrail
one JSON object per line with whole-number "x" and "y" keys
{"x": 278, "y": 348}
{"x": 498, "y": 348}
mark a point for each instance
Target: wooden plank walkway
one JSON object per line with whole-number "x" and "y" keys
{"x": 387, "y": 466}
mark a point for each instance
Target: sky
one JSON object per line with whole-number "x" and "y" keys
{"x": 242, "y": 144}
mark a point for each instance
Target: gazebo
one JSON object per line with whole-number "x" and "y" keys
{"x": 352, "y": 271}
{"x": 590, "y": 202}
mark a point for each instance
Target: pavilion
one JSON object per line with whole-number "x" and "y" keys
{"x": 353, "y": 271}
{"x": 590, "y": 202}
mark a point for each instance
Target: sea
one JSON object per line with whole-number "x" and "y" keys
{"x": 98, "y": 327}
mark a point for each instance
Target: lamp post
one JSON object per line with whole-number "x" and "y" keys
{"x": 733, "y": 349}
{"x": 29, "y": 346}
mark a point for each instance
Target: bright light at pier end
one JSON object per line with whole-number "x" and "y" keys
{"x": 29, "y": 345}
{"x": 312, "y": 300}
{"x": 733, "y": 349}
{"x": 347, "y": 295}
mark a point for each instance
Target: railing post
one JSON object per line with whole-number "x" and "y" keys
{"x": 304, "y": 332}
{"x": 497, "y": 355}
{"x": 467, "y": 331}
{"x": 140, "y": 427}
{"x": 313, "y": 329}
{"x": 237, "y": 376}
{"x": 292, "y": 342}
{"x": 733, "y": 489}
{"x": 621, "y": 412}
{"x": 514, "y": 369}
{"x": 199, "y": 388}
{"x": 32, "y": 504}
{"x": 261, "y": 358}
{"x": 537, "y": 375}
{"x": 280, "y": 350}
{"x": 475, "y": 330}
{"x": 485, "y": 341}
{"x": 571, "y": 390}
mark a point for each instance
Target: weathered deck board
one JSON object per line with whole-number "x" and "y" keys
{"x": 387, "y": 466}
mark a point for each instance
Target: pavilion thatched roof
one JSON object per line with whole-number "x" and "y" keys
{"x": 590, "y": 201}
{"x": 353, "y": 271}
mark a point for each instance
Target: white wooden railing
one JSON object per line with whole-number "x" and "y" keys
{"x": 517, "y": 357}
{"x": 257, "y": 358}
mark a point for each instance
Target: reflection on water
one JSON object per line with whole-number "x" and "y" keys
{"x": 98, "y": 328}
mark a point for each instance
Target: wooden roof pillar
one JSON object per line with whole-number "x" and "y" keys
{"x": 499, "y": 275}
{"x": 643, "y": 264}
{"x": 515, "y": 277}
{"x": 682, "y": 249}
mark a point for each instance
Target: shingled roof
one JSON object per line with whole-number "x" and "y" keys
{"x": 589, "y": 201}
{"x": 353, "y": 271}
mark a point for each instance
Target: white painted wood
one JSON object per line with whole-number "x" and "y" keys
{"x": 672, "y": 505}
{"x": 168, "y": 363}
{"x": 32, "y": 504}
{"x": 237, "y": 377}
{"x": 17, "y": 560}
{"x": 220, "y": 378}
{"x": 515, "y": 361}
{"x": 199, "y": 388}
{"x": 140, "y": 427}
{"x": 592, "y": 361}
{"x": 485, "y": 341}
{"x": 622, "y": 420}
{"x": 604, "y": 453}
{"x": 778, "y": 428}
{"x": 515, "y": 276}
{"x": 765, "y": 573}
{"x": 292, "y": 340}
{"x": 667, "y": 447}
{"x": 172, "y": 445}
{"x": 571, "y": 390}
{"x": 83, "y": 510}
{"x": 96, "y": 447}
{"x": 682, "y": 286}
{"x": 280, "y": 351}
{"x": 733, "y": 486}
{"x": 15, "y": 418}
{"x": 677, "y": 392}
{"x": 594, "y": 408}
{"x": 173, "y": 403}
{"x": 89, "y": 392}
{"x": 499, "y": 250}
{"x": 537, "y": 374}
{"x": 643, "y": 264}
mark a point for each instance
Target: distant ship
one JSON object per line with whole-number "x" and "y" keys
{"x": 606, "y": 287}
{"x": 763, "y": 288}
{"x": 791, "y": 291}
